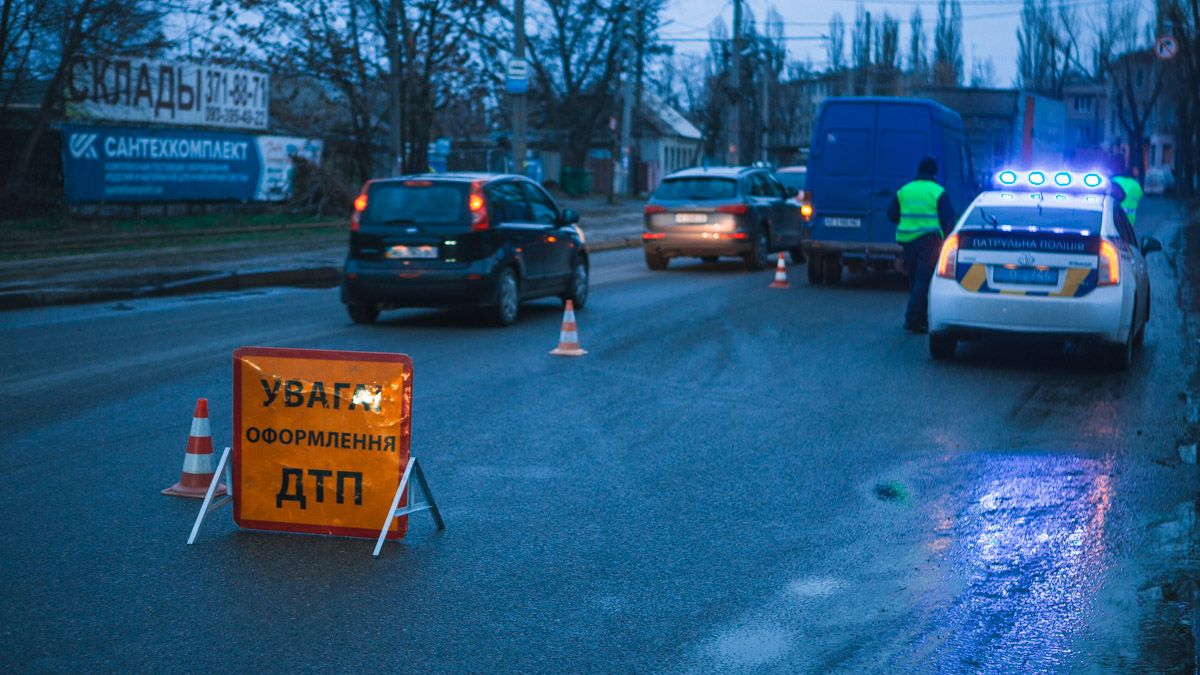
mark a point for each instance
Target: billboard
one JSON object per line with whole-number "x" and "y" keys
{"x": 164, "y": 92}
{"x": 125, "y": 164}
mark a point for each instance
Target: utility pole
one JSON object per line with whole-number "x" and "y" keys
{"x": 735, "y": 85}
{"x": 519, "y": 103}
{"x": 395, "y": 120}
{"x": 765, "y": 105}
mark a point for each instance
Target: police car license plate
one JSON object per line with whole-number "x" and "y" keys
{"x": 1025, "y": 275}
{"x": 843, "y": 222}
{"x": 412, "y": 252}
{"x": 691, "y": 218}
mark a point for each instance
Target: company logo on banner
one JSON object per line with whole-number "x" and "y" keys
{"x": 114, "y": 164}
{"x": 321, "y": 440}
{"x": 164, "y": 92}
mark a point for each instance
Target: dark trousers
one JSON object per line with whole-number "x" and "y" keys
{"x": 920, "y": 260}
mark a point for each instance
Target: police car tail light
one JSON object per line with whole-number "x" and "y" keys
{"x": 479, "y": 214}
{"x": 1109, "y": 272}
{"x": 948, "y": 260}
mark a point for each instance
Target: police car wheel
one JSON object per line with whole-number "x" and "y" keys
{"x": 814, "y": 269}
{"x": 361, "y": 313}
{"x": 942, "y": 346}
{"x": 1119, "y": 356}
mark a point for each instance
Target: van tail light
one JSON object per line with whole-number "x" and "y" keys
{"x": 360, "y": 205}
{"x": 1109, "y": 273}
{"x": 947, "y": 266}
{"x": 652, "y": 209}
{"x": 735, "y": 209}
{"x": 479, "y": 214}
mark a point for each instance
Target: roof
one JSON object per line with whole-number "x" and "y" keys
{"x": 670, "y": 118}
{"x": 454, "y": 176}
{"x": 939, "y": 110}
{"x": 713, "y": 172}
{"x": 1091, "y": 201}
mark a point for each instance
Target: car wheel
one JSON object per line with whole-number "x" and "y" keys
{"x": 508, "y": 299}
{"x": 756, "y": 260}
{"x": 831, "y": 270}
{"x": 1141, "y": 334}
{"x": 709, "y": 258}
{"x": 361, "y": 313}
{"x": 814, "y": 269}
{"x": 657, "y": 262}
{"x": 942, "y": 346}
{"x": 1119, "y": 356}
{"x": 578, "y": 292}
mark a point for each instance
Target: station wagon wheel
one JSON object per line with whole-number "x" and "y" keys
{"x": 756, "y": 259}
{"x": 578, "y": 291}
{"x": 656, "y": 262}
{"x": 508, "y": 299}
{"x": 363, "y": 313}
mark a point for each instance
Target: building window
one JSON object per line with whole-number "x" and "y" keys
{"x": 1083, "y": 104}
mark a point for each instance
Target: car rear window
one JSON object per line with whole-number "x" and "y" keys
{"x": 696, "y": 189}
{"x": 428, "y": 204}
{"x": 792, "y": 179}
{"x": 1002, "y": 217}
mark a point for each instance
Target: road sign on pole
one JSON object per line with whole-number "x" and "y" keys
{"x": 1166, "y": 47}
{"x": 517, "y": 76}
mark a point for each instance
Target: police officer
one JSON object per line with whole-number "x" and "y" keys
{"x": 1132, "y": 193}
{"x": 923, "y": 216}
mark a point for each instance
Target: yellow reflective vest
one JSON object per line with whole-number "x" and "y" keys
{"x": 1133, "y": 196}
{"x": 918, "y": 210}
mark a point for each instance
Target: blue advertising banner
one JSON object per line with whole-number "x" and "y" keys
{"x": 119, "y": 164}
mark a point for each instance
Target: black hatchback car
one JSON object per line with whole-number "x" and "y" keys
{"x": 442, "y": 240}
{"x": 721, "y": 211}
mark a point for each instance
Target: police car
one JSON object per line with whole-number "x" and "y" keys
{"x": 1044, "y": 253}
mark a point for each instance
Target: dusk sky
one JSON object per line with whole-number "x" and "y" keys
{"x": 989, "y": 26}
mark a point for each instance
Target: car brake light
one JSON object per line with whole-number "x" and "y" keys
{"x": 735, "y": 209}
{"x": 652, "y": 209}
{"x": 479, "y": 214}
{"x": 806, "y": 210}
{"x": 948, "y": 260}
{"x": 360, "y": 205}
{"x": 653, "y": 235}
{"x": 1109, "y": 273}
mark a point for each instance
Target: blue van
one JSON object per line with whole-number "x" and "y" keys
{"x": 863, "y": 149}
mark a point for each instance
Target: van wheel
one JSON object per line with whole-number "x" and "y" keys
{"x": 710, "y": 259}
{"x": 365, "y": 314}
{"x": 831, "y": 270}
{"x": 508, "y": 299}
{"x": 942, "y": 346}
{"x": 814, "y": 269}
{"x": 757, "y": 259}
{"x": 656, "y": 262}
{"x": 797, "y": 255}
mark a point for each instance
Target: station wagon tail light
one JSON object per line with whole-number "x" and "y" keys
{"x": 1109, "y": 273}
{"x": 735, "y": 209}
{"x": 948, "y": 260}
{"x": 652, "y": 209}
{"x": 806, "y": 210}
{"x": 654, "y": 235}
{"x": 360, "y": 205}
{"x": 479, "y": 214}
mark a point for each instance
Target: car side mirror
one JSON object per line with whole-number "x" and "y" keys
{"x": 1150, "y": 245}
{"x": 568, "y": 217}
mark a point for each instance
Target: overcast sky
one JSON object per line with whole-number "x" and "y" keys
{"x": 989, "y": 26}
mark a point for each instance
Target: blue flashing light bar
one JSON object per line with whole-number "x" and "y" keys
{"x": 1036, "y": 178}
{"x": 1062, "y": 179}
{"x": 1010, "y": 179}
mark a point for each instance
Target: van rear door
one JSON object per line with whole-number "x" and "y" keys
{"x": 839, "y": 173}
{"x": 903, "y": 139}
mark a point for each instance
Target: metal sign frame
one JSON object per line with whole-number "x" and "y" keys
{"x": 412, "y": 506}
{"x": 208, "y": 505}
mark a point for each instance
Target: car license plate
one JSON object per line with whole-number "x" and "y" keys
{"x": 412, "y": 252}
{"x": 691, "y": 218}
{"x": 1025, "y": 275}
{"x": 843, "y": 222}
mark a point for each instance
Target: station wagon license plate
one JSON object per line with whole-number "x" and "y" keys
{"x": 412, "y": 252}
{"x": 843, "y": 222}
{"x": 1025, "y": 275}
{"x": 691, "y": 218}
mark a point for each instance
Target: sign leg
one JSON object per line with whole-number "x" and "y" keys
{"x": 207, "y": 506}
{"x": 395, "y": 503}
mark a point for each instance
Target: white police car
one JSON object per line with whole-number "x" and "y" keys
{"x": 1044, "y": 254}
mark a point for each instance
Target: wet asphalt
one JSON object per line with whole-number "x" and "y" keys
{"x": 733, "y": 479}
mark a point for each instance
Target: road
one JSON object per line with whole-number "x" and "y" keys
{"x": 733, "y": 478}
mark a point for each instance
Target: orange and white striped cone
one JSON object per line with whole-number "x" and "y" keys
{"x": 568, "y": 338}
{"x": 198, "y": 469}
{"x": 780, "y": 274}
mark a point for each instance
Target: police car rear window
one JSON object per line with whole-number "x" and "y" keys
{"x": 1024, "y": 217}
{"x": 696, "y": 189}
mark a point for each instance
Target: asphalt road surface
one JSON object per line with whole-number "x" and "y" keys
{"x": 733, "y": 478}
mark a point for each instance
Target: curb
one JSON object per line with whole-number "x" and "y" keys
{"x": 322, "y": 275}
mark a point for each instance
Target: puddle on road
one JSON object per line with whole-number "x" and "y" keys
{"x": 751, "y": 647}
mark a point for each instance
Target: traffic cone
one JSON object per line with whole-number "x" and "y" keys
{"x": 780, "y": 275}
{"x": 568, "y": 338}
{"x": 198, "y": 469}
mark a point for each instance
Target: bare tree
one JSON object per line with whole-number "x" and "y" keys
{"x": 835, "y": 44}
{"x": 918, "y": 56}
{"x": 887, "y": 43}
{"x": 947, "y": 44}
{"x": 1182, "y": 19}
{"x": 983, "y": 72}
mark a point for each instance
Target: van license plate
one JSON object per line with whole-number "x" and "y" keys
{"x": 843, "y": 222}
{"x": 691, "y": 218}
{"x": 412, "y": 252}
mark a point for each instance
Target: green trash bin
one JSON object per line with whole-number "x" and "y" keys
{"x": 576, "y": 182}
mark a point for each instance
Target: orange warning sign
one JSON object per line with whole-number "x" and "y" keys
{"x": 321, "y": 439}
